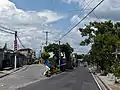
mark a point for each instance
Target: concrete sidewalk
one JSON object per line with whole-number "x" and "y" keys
{"x": 106, "y": 82}
{"x": 109, "y": 83}
{"x": 23, "y": 77}
{"x": 8, "y": 72}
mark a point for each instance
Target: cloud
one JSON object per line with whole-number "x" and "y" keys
{"x": 50, "y": 15}
{"x": 109, "y": 9}
{"x": 74, "y": 19}
{"x": 29, "y": 24}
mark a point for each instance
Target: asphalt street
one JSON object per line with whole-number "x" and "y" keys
{"x": 79, "y": 79}
{"x": 22, "y": 77}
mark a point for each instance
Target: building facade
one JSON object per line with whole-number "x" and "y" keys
{"x": 28, "y": 54}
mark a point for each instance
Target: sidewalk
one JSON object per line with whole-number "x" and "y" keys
{"x": 109, "y": 83}
{"x": 22, "y": 77}
{"x": 8, "y": 72}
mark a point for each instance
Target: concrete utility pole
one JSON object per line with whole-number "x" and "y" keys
{"x": 15, "y": 49}
{"x": 46, "y": 38}
{"x": 59, "y": 54}
{"x": 46, "y": 33}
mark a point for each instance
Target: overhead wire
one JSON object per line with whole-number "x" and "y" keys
{"x": 11, "y": 33}
{"x": 7, "y": 28}
{"x": 82, "y": 9}
{"x": 81, "y": 20}
{"x": 21, "y": 42}
{"x": 93, "y": 11}
{"x": 78, "y": 10}
{"x": 6, "y": 31}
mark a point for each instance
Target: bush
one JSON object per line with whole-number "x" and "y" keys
{"x": 116, "y": 69}
{"x": 45, "y": 55}
{"x": 52, "y": 62}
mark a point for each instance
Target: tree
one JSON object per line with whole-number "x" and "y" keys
{"x": 67, "y": 49}
{"x": 104, "y": 38}
{"x": 64, "y": 48}
{"x": 45, "y": 55}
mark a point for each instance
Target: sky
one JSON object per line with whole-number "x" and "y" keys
{"x": 31, "y": 18}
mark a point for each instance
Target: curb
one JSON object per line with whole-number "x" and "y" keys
{"x": 108, "y": 88}
{"x": 96, "y": 81}
{"x": 26, "y": 84}
{"x": 56, "y": 75}
{"x": 14, "y": 71}
{"x": 29, "y": 83}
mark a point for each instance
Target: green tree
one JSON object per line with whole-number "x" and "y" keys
{"x": 104, "y": 38}
{"x": 64, "y": 48}
{"x": 45, "y": 55}
{"x": 53, "y": 48}
{"x": 67, "y": 49}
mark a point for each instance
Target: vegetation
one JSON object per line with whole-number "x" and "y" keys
{"x": 45, "y": 55}
{"x": 104, "y": 38}
{"x": 80, "y": 56}
{"x": 64, "y": 48}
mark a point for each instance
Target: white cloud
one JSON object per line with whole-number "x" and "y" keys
{"x": 51, "y": 16}
{"x": 74, "y": 19}
{"x": 109, "y": 9}
{"x": 28, "y": 24}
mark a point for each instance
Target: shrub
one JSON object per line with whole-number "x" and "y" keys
{"x": 45, "y": 55}
{"x": 116, "y": 69}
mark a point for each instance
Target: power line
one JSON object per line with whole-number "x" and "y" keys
{"x": 7, "y": 28}
{"x": 80, "y": 13}
{"x": 79, "y": 10}
{"x": 20, "y": 42}
{"x": 11, "y": 33}
{"x": 93, "y": 11}
{"x": 6, "y": 31}
{"x": 81, "y": 20}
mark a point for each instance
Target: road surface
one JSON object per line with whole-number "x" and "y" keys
{"x": 79, "y": 79}
{"x": 22, "y": 77}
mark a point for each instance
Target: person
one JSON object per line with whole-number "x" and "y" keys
{"x": 48, "y": 66}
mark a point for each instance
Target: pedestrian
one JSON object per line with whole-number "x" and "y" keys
{"x": 48, "y": 66}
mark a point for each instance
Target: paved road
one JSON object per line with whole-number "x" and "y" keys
{"x": 32, "y": 73}
{"x": 79, "y": 79}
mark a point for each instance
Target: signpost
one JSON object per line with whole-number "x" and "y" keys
{"x": 15, "y": 49}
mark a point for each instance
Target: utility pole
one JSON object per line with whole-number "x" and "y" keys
{"x": 46, "y": 38}
{"x": 46, "y": 33}
{"x": 59, "y": 54}
{"x": 15, "y": 49}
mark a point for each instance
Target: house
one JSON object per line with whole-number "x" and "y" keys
{"x": 1, "y": 57}
{"x": 7, "y": 58}
{"x": 20, "y": 59}
{"x": 28, "y": 53}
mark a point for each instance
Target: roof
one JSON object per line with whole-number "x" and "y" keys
{"x": 26, "y": 49}
{"x": 9, "y": 50}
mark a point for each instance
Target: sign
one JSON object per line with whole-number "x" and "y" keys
{"x": 15, "y": 45}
